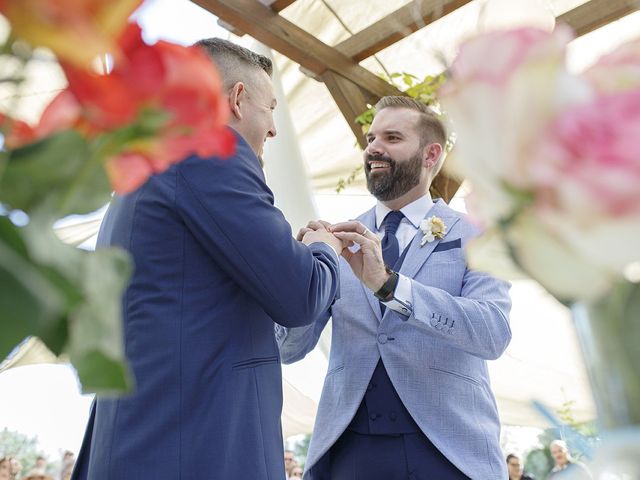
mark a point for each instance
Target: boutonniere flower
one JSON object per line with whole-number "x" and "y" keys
{"x": 433, "y": 228}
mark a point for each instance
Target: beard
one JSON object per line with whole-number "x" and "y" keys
{"x": 401, "y": 178}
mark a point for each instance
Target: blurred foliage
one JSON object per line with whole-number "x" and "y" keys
{"x": 69, "y": 298}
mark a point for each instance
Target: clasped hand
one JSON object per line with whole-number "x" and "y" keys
{"x": 367, "y": 263}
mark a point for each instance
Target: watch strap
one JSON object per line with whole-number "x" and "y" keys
{"x": 385, "y": 291}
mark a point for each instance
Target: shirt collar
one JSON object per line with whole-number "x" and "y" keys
{"x": 414, "y": 212}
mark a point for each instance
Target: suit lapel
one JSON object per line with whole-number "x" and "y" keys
{"x": 369, "y": 220}
{"x": 417, "y": 254}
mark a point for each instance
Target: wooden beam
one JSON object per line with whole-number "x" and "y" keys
{"x": 266, "y": 26}
{"x": 444, "y": 186}
{"x": 280, "y": 5}
{"x": 350, "y": 100}
{"x": 276, "y": 6}
{"x": 597, "y": 13}
{"x": 396, "y": 26}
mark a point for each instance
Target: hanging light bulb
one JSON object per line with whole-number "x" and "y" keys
{"x": 508, "y": 14}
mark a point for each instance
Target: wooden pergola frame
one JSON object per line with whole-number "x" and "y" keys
{"x": 352, "y": 86}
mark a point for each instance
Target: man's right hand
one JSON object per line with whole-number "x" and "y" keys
{"x": 312, "y": 226}
{"x": 317, "y": 231}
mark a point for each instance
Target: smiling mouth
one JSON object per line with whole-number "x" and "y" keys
{"x": 378, "y": 165}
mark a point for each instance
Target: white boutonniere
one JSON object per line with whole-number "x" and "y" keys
{"x": 433, "y": 228}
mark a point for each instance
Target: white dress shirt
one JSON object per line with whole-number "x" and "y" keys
{"x": 414, "y": 213}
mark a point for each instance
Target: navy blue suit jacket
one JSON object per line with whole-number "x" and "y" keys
{"x": 215, "y": 266}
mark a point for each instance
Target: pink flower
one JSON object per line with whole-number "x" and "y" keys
{"x": 593, "y": 152}
{"x": 552, "y": 157}
{"x": 618, "y": 70}
{"x": 493, "y": 58}
{"x": 504, "y": 89}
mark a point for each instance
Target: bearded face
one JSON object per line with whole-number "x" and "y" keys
{"x": 388, "y": 179}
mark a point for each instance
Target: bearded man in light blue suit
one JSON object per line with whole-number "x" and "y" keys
{"x": 407, "y": 392}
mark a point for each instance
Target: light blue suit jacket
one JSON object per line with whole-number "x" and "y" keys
{"x": 436, "y": 357}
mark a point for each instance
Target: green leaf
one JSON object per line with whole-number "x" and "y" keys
{"x": 102, "y": 374}
{"x": 366, "y": 117}
{"x": 69, "y": 298}
{"x": 29, "y": 303}
{"x": 409, "y": 79}
{"x": 58, "y": 173}
{"x": 96, "y": 338}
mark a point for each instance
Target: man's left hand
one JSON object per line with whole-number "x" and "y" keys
{"x": 367, "y": 263}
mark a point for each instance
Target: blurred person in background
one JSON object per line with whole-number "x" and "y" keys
{"x": 16, "y": 468}
{"x": 68, "y": 460}
{"x": 516, "y": 469}
{"x": 289, "y": 462}
{"x": 5, "y": 468}
{"x": 41, "y": 466}
{"x": 566, "y": 466}
{"x": 296, "y": 472}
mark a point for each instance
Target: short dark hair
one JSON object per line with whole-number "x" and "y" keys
{"x": 432, "y": 129}
{"x": 512, "y": 455}
{"x": 230, "y": 58}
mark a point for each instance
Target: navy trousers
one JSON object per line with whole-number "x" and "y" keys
{"x": 409, "y": 456}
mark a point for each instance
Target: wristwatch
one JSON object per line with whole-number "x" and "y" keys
{"x": 385, "y": 293}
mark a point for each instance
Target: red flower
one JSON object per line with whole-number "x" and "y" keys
{"x": 163, "y": 77}
{"x": 76, "y": 30}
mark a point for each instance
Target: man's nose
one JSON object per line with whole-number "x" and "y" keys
{"x": 373, "y": 148}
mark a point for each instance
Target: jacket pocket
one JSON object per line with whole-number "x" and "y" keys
{"x": 335, "y": 370}
{"x": 255, "y": 362}
{"x": 456, "y": 374}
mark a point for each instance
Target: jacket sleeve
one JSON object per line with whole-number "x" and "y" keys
{"x": 477, "y": 321}
{"x": 296, "y": 343}
{"x": 228, "y": 207}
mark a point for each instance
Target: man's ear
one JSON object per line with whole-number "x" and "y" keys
{"x": 432, "y": 153}
{"x": 236, "y": 97}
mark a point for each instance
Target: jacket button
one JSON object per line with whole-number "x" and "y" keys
{"x": 371, "y": 386}
{"x": 382, "y": 338}
{"x": 373, "y": 416}
{"x": 393, "y": 416}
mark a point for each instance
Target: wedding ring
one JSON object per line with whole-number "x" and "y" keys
{"x": 364, "y": 233}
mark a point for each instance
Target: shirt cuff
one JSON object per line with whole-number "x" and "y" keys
{"x": 402, "y": 301}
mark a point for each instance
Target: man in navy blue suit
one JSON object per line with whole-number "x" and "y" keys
{"x": 215, "y": 267}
